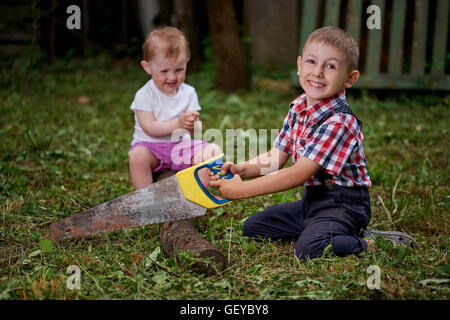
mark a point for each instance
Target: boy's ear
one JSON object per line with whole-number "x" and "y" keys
{"x": 299, "y": 63}
{"x": 146, "y": 66}
{"x": 353, "y": 77}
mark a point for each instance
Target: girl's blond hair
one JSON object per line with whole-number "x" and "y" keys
{"x": 169, "y": 40}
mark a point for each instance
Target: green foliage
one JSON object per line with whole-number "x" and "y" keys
{"x": 61, "y": 155}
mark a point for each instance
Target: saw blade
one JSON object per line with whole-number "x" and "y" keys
{"x": 157, "y": 203}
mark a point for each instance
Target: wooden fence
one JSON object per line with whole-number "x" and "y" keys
{"x": 410, "y": 51}
{"x": 15, "y": 27}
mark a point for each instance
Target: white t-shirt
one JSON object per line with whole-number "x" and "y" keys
{"x": 164, "y": 108}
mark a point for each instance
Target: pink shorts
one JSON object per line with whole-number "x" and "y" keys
{"x": 174, "y": 156}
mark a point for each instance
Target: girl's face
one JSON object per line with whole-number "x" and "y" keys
{"x": 167, "y": 73}
{"x": 323, "y": 71}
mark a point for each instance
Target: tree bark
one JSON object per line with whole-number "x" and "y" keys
{"x": 186, "y": 20}
{"x": 267, "y": 20}
{"x": 182, "y": 235}
{"x": 231, "y": 72}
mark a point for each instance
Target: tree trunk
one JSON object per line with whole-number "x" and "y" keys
{"x": 147, "y": 10}
{"x": 227, "y": 49}
{"x": 182, "y": 235}
{"x": 186, "y": 20}
{"x": 267, "y": 20}
{"x": 122, "y": 32}
{"x": 44, "y": 18}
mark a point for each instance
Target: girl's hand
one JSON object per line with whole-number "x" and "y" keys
{"x": 186, "y": 121}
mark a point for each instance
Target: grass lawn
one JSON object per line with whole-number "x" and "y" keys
{"x": 59, "y": 157}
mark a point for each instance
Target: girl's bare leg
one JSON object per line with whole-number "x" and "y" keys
{"x": 142, "y": 161}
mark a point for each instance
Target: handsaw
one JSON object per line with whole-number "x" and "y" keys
{"x": 181, "y": 196}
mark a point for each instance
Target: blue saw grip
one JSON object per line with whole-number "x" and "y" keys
{"x": 215, "y": 166}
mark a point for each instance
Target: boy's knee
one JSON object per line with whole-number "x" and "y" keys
{"x": 249, "y": 229}
{"x": 254, "y": 229}
{"x": 246, "y": 229}
{"x": 309, "y": 249}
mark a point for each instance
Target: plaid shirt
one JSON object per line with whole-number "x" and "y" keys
{"x": 336, "y": 145}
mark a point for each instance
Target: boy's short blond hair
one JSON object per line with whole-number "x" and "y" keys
{"x": 339, "y": 39}
{"x": 169, "y": 40}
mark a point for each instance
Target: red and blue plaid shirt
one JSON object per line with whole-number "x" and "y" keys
{"x": 336, "y": 145}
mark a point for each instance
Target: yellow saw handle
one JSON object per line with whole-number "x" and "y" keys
{"x": 194, "y": 190}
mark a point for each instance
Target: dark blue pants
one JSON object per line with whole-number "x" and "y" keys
{"x": 324, "y": 215}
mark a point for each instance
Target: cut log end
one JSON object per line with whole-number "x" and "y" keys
{"x": 181, "y": 235}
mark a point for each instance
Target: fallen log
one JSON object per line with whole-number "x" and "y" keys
{"x": 175, "y": 236}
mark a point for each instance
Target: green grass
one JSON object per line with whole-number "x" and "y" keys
{"x": 59, "y": 157}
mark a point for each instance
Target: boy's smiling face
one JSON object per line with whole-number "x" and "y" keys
{"x": 168, "y": 73}
{"x": 323, "y": 70}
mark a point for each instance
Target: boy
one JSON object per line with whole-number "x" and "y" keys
{"x": 162, "y": 106}
{"x": 324, "y": 139}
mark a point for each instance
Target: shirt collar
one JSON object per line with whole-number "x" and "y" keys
{"x": 315, "y": 110}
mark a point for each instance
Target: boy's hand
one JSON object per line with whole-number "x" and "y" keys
{"x": 229, "y": 166}
{"x": 231, "y": 189}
